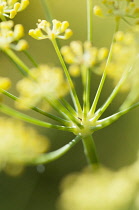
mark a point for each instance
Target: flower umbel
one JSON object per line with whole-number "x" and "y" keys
{"x": 80, "y": 55}
{"x": 9, "y": 8}
{"x": 11, "y": 38}
{"x": 44, "y": 30}
{"x": 19, "y": 145}
{"x": 44, "y": 82}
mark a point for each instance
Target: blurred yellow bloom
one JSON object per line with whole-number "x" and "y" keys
{"x": 43, "y": 31}
{"x": 10, "y": 38}
{"x": 80, "y": 55}
{"x": 5, "y": 83}
{"x": 118, "y": 9}
{"x": 9, "y": 8}
{"x": 19, "y": 145}
{"x": 101, "y": 190}
{"x": 125, "y": 59}
{"x": 44, "y": 82}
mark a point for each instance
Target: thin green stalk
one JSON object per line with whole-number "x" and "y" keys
{"x": 29, "y": 56}
{"x": 13, "y": 113}
{"x": 111, "y": 119}
{"x": 3, "y": 18}
{"x": 90, "y": 20}
{"x": 97, "y": 96}
{"x": 49, "y": 157}
{"x": 69, "y": 107}
{"x": 17, "y": 60}
{"x": 40, "y": 111}
{"x": 113, "y": 95}
{"x": 46, "y": 10}
{"x": 90, "y": 151}
{"x": 62, "y": 110}
{"x": 72, "y": 89}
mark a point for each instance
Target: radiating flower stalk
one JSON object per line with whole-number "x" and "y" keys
{"x": 44, "y": 87}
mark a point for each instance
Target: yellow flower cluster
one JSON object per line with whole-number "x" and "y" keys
{"x": 80, "y": 55}
{"x": 9, "y": 36}
{"x": 18, "y": 145}
{"x": 5, "y": 83}
{"x": 44, "y": 30}
{"x": 118, "y": 8}
{"x": 9, "y": 8}
{"x": 44, "y": 83}
{"x": 101, "y": 190}
{"x": 124, "y": 58}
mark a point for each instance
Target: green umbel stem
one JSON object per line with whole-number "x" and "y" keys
{"x": 89, "y": 20}
{"x": 90, "y": 151}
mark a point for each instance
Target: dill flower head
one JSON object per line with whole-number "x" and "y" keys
{"x": 44, "y": 30}
{"x": 18, "y": 145}
{"x": 11, "y": 38}
{"x": 9, "y": 8}
{"x": 43, "y": 83}
{"x": 80, "y": 55}
{"x": 5, "y": 83}
{"x": 101, "y": 189}
{"x": 118, "y": 9}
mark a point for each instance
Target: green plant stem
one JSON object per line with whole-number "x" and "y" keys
{"x": 40, "y": 111}
{"x": 69, "y": 107}
{"x": 63, "y": 111}
{"x": 72, "y": 89}
{"x": 90, "y": 151}
{"x": 17, "y": 60}
{"x": 49, "y": 157}
{"x": 97, "y": 96}
{"x": 13, "y": 113}
{"x": 90, "y": 20}
{"x": 111, "y": 119}
{"x": 113, "y": 95}
{"x": 30, "y": 58}
{"x": 46, "y": 10}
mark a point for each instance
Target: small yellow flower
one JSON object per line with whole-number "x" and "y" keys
{"x": 78, "y": 55}
{"x": 9, "y": 8}
{"x": 43, "y": 31}
{"x": 19, "y": 145}
{"x": 12, "y": 38}
{"x": 5, "y": 83}
{"x": 45, "y": 83}
{"x": 118, "y": 9}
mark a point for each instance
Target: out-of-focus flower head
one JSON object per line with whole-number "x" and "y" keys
{"x": 5, "y": 83}
{"x": 44, "y": 30}
{"x": 19, "y": 145}
{"x": 80, "y": 55}
{"x": 11, "y": 38}
{"x": 125, "y": 57}
{"x": 44, "y": 82}
{"x": 101, "y": 189}
{"x": 118, "y": 9}
{"x": 9, "y": 8}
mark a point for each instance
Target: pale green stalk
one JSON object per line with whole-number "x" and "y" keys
{"x": 97, "y": 96}
{"x": 13, "y": 113}
{"x": 47, "y": 114}
{"x": 71, "y": 85}
{"x": 29, "y": 56}
{"x": 17, "y": 60}
{"x": 89, "y": 20}
{"x": 49, "y": 157}
{"x": 90, "y": 151}
{"x": 113, "y": 95}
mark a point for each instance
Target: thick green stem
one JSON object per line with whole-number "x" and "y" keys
{"x": 72, "y": 89}
{"x": 90, "y": 151}
{"x": 49, "y": 157}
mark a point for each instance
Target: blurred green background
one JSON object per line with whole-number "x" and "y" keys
{"x": 117, "y": 145}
